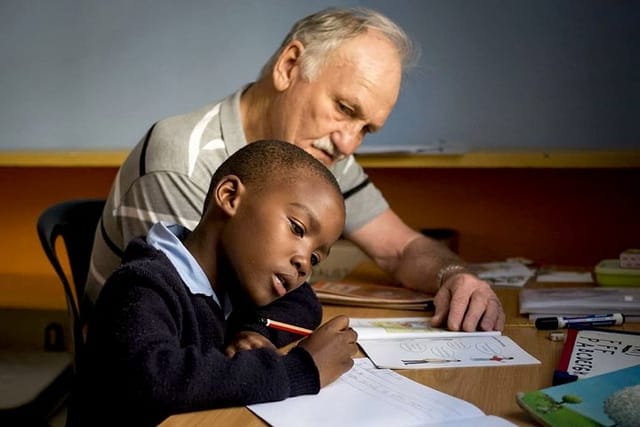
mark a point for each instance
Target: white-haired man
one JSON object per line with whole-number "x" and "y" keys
{"x": 334, "y": 79}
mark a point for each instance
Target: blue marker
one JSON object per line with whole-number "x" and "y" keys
{"x": 546, "y": 323}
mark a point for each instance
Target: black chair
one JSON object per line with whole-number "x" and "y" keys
{"x": 36, "y": 382}
{"x": 75, "y": 221}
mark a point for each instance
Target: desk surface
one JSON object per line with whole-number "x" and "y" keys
{"x": 492, "y": 389}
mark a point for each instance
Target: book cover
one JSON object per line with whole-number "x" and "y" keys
{"x": 611, "y": 399}
{"x": 371, "y": 295}
{"x": 412, "y": 343}
{"x": 590, "y": 352}
{"x": 580, "y": 300}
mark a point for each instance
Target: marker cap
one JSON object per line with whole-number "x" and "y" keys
{"x": 547, "y": 323}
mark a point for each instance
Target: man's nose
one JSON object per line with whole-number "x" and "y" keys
{"x": 348, "y": 139}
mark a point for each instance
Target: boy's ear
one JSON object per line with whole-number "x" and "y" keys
{"x": 228, "y": 193}
{"x": 287, "y": 67}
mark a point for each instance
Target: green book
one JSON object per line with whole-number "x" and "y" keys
{"x": 611, "y": 399}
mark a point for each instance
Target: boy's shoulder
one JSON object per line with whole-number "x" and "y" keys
{"x": 143, "y": 265}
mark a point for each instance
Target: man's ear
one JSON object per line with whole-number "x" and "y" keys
{"x": 228, "y": 194}
{"x": 287, "y": 67}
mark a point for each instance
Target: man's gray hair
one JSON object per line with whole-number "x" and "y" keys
{"x": 324, "y": 31}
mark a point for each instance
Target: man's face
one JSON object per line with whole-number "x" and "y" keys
{"x": 277, "y": 235}
{"x": 351, "y": 95}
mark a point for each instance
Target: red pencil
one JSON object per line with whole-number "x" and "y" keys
{"x": 274, "y": 324}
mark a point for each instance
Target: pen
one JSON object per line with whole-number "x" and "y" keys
{"x": 274, "y": 324}
{"x": 556, "y": 322}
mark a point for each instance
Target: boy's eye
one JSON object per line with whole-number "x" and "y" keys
{"x": 296, "y": 228}
{"x": 315, "y": 259}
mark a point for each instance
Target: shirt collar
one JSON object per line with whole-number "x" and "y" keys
{"x": 231, "y": 122}
{"x": 167, "y": 238}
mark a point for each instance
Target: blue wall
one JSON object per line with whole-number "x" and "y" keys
{"x": 494, "y": 74}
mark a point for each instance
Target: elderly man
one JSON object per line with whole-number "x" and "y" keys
{"x": 334, "y": 79}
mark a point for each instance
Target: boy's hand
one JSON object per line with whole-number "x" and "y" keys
{"x": 247, "y": 340}
{"x": 332, "y": 347}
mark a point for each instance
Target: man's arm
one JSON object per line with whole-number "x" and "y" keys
{"x": 414, "y": 260}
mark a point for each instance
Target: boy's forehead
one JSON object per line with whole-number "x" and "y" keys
{"x": 304, "y": 180}
{"x": 293, "y": 172}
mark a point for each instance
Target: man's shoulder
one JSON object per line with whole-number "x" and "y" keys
{"x": 182, "y": 126}
{"x": 176, "y": 143}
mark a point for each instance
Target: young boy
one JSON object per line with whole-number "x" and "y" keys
{"x": 176, "y": 327}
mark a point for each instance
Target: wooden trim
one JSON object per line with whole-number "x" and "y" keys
{"x": 62, "y": 158}
{"x": 474, "y": 159}
{"x": 508, "y": 159}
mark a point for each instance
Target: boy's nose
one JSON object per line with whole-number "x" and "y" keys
{"x": 303, "y": 266}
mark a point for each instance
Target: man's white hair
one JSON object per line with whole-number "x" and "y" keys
{"x": 322, "y": 32}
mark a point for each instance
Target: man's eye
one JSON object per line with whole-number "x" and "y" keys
{"x": 315, "y": 259}
{"x": 345, "y": 109}
{"x": 297, "y": 229}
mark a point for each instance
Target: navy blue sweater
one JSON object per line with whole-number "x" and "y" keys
{"x": 154, "y": 349}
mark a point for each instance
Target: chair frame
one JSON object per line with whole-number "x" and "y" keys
{"x": 75, "y": 221}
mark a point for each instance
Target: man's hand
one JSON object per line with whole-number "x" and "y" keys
{"x": 463, "y": 301}
{"x": 247, "y": 340}
{"x": 467, "y": 303}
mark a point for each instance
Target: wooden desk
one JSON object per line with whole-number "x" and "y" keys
{"x": 492, "y": 389}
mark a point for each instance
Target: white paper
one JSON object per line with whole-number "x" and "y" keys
{"x": 371, "y": 397}
{"x": 446, "y": 352}
{"x": 507, "y": 273}
{"x": 404, "y": 327}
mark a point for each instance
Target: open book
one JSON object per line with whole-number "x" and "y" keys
{"x": 412, "y": 343}
{"x": 371, "y": 295}
{"x": 366, "y": 396}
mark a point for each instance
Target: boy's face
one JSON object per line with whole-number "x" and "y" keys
{"x": 276, "y": 235}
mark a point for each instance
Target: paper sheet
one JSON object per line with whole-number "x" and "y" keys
{"x": 371, "y": 397}
{"x": 507, "y": 273}
{"x": 453, "y": 352}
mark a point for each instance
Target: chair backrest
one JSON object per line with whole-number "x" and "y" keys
{"x": 75, "y": 221}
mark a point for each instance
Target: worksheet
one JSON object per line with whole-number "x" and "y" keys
{"x": 412, "y": 343}
{"x": 446, "y": 352}
{"x": 366, "y": 396}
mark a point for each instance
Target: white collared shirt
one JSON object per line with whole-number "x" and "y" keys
{"x": 165, "y": 238}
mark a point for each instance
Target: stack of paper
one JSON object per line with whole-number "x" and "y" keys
{"x": 543, "y": 302}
